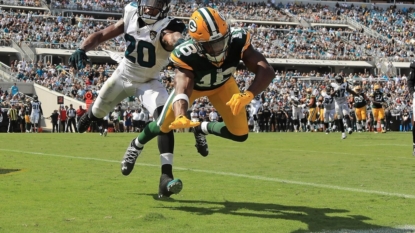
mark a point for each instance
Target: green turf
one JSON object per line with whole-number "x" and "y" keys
{"x": 274, "y": 182}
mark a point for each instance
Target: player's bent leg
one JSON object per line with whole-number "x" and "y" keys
{"x": 221, "y": 130}
{"x": 200, "y": 138}
{"x": 130, "y": 156}
{"x": 233, "y": 127}
{"x": 136, "y": 147}
{"x": 114, "y": 90}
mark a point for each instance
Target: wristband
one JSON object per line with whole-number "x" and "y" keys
{"x": 179, "y": 97}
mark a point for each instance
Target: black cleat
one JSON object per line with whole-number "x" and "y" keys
{"x": 130, "y": 156}
{"x": 83, "y": 123}
{"x": 201, "y": 143}
{"x": 169, "y": 186}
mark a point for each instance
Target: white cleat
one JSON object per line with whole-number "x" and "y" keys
{"x": 344, "y": 136}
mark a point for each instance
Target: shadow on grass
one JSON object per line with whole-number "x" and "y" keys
{"x": 4, "y": 171}
{"x": 317, "y": 219}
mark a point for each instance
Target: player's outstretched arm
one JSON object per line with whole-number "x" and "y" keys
{"x": 348, "y": 89}
{"x": 79, "y": 59}
{"x": 92, "y": 41}
{"x": 257, "y": 63}
{"x": 264, "y": 74}
{"x": 183, "y": 89}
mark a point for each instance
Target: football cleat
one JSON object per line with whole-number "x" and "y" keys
{"x": 344, "y": 136}
{"x": 327, "y": 131}
{"x": 130, "y": 156}
{"x": 413, "y": 152}
{"x": 83, "y": 123}
{"x": 105, "y": 132}
{"x": 201, "y": 143}
{"x": 349, "y": 130}
{"x": 169, "y": 186}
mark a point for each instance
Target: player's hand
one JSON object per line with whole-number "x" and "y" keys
{"x": 239, "y": 101}
{"x": 79, "y": 59}
{"x": 181, "y": 122}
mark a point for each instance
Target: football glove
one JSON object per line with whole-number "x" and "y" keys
{"x": 239, "y": 101}
{"x": 79, "y": 59}
{"x": 182, "y": 122}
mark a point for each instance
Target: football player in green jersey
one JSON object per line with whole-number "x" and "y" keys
{"x": 205, "y": 67}
{"x": 205, "y": 64}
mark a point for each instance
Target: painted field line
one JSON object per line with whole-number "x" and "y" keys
{"x": 404, "y": 145}
{"x": 343, "y": 153}
{"x": 231, "y": 174}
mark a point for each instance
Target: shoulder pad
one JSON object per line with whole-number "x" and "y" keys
{"x": 241, "y": 37}
{"x": 184, "y": 54}
{"x": 129, "y": 10}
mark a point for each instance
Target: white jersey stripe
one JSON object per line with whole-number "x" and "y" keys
{"x": 209, "y": 21}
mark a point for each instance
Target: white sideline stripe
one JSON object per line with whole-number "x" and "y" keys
{"x": 234, "y": 175}
{"x": 340, "y": 153}
{"x": 406, "y": 145}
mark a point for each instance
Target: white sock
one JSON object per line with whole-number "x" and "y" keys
{"x": 138, "y": 144}
{"x": 166, "y": 158}
{"x": 204, "y": 128}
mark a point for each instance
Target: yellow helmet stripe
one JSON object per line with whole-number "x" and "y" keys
{"x": 211, "y": 23}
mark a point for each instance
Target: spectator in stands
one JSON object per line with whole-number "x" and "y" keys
{"x": 213, "y": 115}
{"x": 14, "y": 89}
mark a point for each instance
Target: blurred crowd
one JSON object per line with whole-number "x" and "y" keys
{"x": 42, "y": 30}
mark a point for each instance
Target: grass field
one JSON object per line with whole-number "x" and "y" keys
{"x": 274, "y": 182}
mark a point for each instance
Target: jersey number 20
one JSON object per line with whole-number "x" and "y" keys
{"x": 143, "y": 47}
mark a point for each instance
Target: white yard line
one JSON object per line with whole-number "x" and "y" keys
{"x": 372, "y": 145}
{"x": 232, "y": 174}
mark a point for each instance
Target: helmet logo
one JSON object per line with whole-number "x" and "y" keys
{"x": 153, "y": 35}
{"x": 192, "y": 25}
